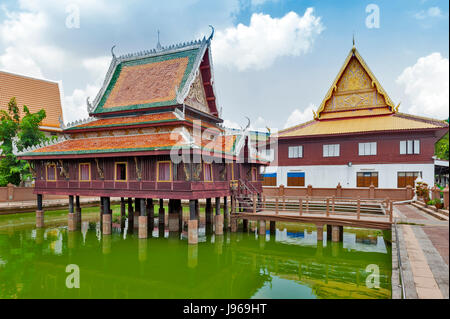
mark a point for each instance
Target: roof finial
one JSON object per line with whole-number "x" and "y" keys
{"x": 112, "y": 51}
{"x": 158, "y": 45}
{"x": 212, "y": 32}
{"x": 354, "y": 47}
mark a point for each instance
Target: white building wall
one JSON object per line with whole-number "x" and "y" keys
{"x": 329, "y": 175}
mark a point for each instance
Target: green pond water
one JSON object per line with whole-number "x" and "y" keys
{"x": 291, "y": 264}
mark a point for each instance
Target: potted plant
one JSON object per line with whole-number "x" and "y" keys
{"x": 423, "y": 192}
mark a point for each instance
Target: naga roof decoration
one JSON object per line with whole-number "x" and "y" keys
{"x": 355, "y": 88}
{"x": 159, "y": 77}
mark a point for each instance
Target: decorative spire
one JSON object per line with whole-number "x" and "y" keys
{"x": 354, "y": 47}
{"x": 112, "y": 52}
{"x": 158, "y": 45}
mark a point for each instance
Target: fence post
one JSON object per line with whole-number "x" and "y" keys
{"x": 309, "y": 190}
{"x": 254, "y": 203}
{"x": 307, "y": 204}
{"x": 358, "y": 212}
{"x": 300, "y": 202}
{"x": 338, "y": 190}
{"x": 264, "y": 201}
{"x": 445, "y": 191}
{"x": 332, "y": 203}
{"x": 10, "y": 192}
{"x": 409, "y": 192}
{"x": 390, "y": 211}
{"x": 328, "y": 207}
{"x": 276, "y": 205}
{"x": 284, "y": 203}
{"x": 372, "y": 191}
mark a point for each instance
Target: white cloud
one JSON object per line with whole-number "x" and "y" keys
{"x": 426, "y": 86}
{"x": 75, "y": 104}
{"x": 258, "y": 45}
{"x": 432, "y": 12}
{"x": 298, "y": 117}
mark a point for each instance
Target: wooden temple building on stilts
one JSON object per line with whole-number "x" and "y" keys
{"x": 154, "y": 133}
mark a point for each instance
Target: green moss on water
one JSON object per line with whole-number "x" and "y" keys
{"x": 236, "y": 265}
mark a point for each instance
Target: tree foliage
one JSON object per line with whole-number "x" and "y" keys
{"x": 441, "y": 148}
{"x": 19, "y": 133}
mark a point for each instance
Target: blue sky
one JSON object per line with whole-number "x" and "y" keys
{"x": 274, "y": 60}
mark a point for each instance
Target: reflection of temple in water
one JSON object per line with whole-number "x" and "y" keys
{"x": 239, "y": 266}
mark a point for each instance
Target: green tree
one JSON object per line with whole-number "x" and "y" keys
{"x": 441, "y": 147}
{"x": 21, "y": 132}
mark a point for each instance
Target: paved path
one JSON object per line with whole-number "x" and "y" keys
{"x": 424, "y": 250}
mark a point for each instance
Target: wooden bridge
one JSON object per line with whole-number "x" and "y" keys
{"x": 331, "y": 211}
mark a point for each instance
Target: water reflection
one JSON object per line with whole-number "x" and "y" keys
{"x": 291, "y": 264}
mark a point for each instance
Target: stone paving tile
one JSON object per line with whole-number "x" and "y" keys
{"x": 425, "y": 250}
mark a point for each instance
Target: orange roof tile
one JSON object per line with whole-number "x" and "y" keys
{"x": 36, "y": 94}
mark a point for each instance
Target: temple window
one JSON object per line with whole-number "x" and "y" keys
{"x": 121, "y": 171}
{"x": 410, "y": 147}
{"x": 367, "y": 149}
{"x": 254, "y": 174}
{"x": 296, "y": 179}
{"x": 331, "y": 150}
{"x": 207, "y": 172}
{"x": 51, "y": 172}
{"x": 365, "y": 179}
{"x": 407, "y": 178}
{"x": 164, "y": 171}
{"x": 269, "y": 179}
{"x": 85, "y": 171}
{"x": 295, "y": 151}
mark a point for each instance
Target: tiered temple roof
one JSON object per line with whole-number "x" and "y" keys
{"x": 150, "y": 102}
{"x": 357, "y": 103}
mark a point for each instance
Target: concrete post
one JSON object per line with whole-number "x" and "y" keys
{"x": 10, "y": 192}
{"x": 143, "y": 222}
{"x": 225, "y": 207}
{"x": 137, "y": 212}
{"x": 107, "y": 216}
{"x": 319, "y": 232}
{"x": 39, "y": 212}
{"x": 371, "y": 191}
{"x": 335, "y": 233}
{"x": 409, "y": 192}
{"x": 339, "y": 190}
{"x": 262, "y": 228}
{"x": 446, "y": 202}
{"x": 174, "y": 222}
{"x": 192, "y": 223}
{"x": 234, "y": 225}
{"x": 309, "y": 190}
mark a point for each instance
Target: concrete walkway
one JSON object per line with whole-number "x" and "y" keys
{"x": 424, "y": 250}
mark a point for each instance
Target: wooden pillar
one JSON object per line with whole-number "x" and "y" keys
{"x": 218, "y": 219}
{"x": 192, "y": 223}
{"x": 225, "y": 207}
{"x": 161, "y": 212}
{"x": 137, "y": 212}
{"x": 39, "y": 212}
{"x": 208, "y": 212}
{"x": 78, "y": 211}
{"x": 122, "y": 207}
{"x": 319, "y": 232}
{"x": 107, "y": 216}
{"x": 328, "y": 232}
{"x": 307, "y": 204}
{"x": 272, "y": 227}
{"x": 300, "y": 208}
{"x": 276, "y": 205}
{"x": 143, "y": 219}
{"x": 254, "y": 203}
{"x": 333, "y": 200}
{"x": 72, "y": 218}
{"x": 197, "y": 211}
{"x": 150, "y": 214}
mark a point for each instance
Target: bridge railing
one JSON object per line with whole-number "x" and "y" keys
{"x": 324, "y": 206}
